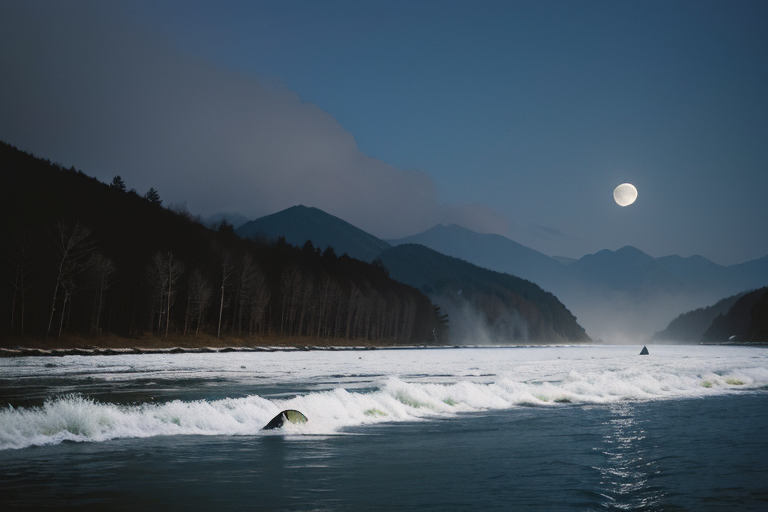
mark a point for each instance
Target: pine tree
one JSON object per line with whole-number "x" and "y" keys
{"x": 118, "y": 183}
{"x": 153, "y": 197}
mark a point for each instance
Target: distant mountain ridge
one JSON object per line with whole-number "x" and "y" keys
{"x": 490, "y": 251}
{"x": 628, "y": 269}
{"x": 616, "y": 295}
{"x": 624, "y": 293}
{"x": 497, "y": 307}
{"x": 301, "y": 223}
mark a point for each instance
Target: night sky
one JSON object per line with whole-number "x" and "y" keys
{"x": 516, "y": 118}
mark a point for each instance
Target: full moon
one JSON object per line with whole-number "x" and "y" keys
{"x": 625, "y": 194}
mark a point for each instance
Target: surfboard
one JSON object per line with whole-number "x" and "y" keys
{"x": 288, "y": 415}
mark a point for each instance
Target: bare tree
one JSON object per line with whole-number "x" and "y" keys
{"x": 306, "y": 306}
{"x": 227, "y": 268}
{"x": 243, "y": 284}
{"x": 289, "y": 289}
{"x": 68, "y": 287}
{"x": 163, "y": 273}
{"x": 352, "y": 305}
{"x": 72, "y": 247}
{"x": 102, "y": 269}
{"x": 408, "y": 318}
{"x": 198, "y": 297}
{"x": 259, "y": 299}
{"x": 21, "y": 261}
{"x": 252, "y": 294}
{"x": 327, "y": 291}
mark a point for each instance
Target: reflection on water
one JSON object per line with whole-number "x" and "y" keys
{"x": 654, "y": 456}
{"x": 631, "y": 465}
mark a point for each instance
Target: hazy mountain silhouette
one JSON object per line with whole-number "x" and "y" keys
{"x": 652, "y": 290}
{"x": 564, "y": 260}
{"x": 300, "y": 223}
{"x": 628, "y": 270}
{"x": 750, "y": 274}
{"x": 483, "y": 305}
{"x": 692, "y": 325}
{"x": 618, "y": 295}
{"x": 623, "y": 295}
{"x": 491, "y": 251}
{"x": 615, "y": 295}
{"x": 500, "y": 313}
{"x": 703, "y": 276}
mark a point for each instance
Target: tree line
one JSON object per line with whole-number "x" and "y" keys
{"x": 82, "y": 257}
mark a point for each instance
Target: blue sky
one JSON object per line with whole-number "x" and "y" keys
{"x": 511, "y": 117}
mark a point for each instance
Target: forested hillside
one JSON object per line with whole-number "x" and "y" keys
{"x": 746, "y": 321}
{"x": 484, "y": 305}
{"x": 692, "y": 325}
{"x": 80, "y": 256}
{"x": 741, "y": 318}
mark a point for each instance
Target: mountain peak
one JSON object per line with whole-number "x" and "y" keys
{"x": 300, "y": 223}
{"x": 631, "y": 251}
{"x": 628, "y": 269}
{"x": 627, "y": 252}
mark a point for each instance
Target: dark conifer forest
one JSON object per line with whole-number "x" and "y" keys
{"x": 81, "y": 257}
{"x": 745, "y": 321}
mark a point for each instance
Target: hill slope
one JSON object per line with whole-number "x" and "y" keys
{"x": 490, "y": 251}
{"x": 140, "y": 268}
{"x": 746, "y": 320}
{"x": 692, "y": 325}
{"x": 483, "y": 305}
{"x": 300, "y": 223}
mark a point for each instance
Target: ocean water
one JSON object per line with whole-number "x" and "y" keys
{"x": 524, "y": 428}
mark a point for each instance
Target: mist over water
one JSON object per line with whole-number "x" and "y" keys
{"x": 470, "y": 326}
{"x": 617, "y": 317}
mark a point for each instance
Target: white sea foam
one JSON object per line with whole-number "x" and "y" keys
{"x": 379, "y": 386}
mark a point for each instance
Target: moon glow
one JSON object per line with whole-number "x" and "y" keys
{"x": 625, "y": 194}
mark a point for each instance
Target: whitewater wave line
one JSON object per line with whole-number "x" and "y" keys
{"x": 81, "y": 419}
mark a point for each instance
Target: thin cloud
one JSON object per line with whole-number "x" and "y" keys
{"x": 85, "y": 88}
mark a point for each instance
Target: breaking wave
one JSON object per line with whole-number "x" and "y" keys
{"x": 81, "y": 419}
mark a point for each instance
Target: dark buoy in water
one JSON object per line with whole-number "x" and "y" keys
{"x": 289, "y": 416}
{"x": 644, "y": 352}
